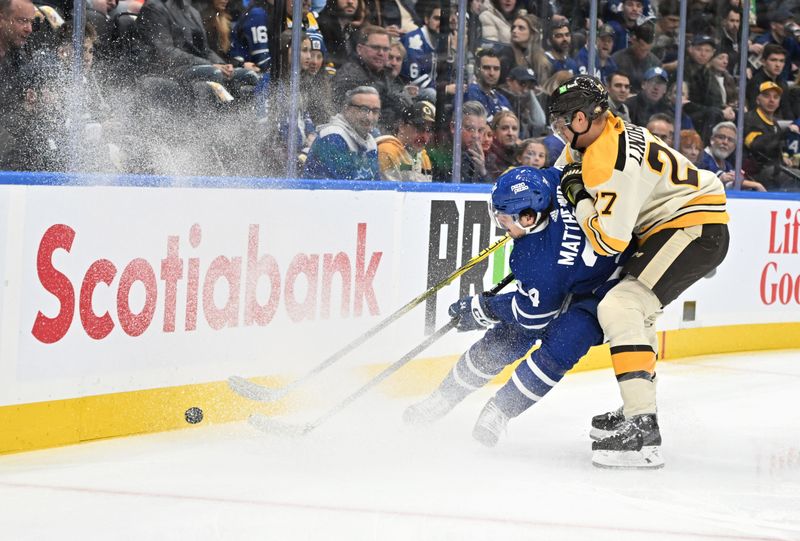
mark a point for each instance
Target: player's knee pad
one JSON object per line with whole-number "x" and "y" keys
{"x": 623, "y": 311}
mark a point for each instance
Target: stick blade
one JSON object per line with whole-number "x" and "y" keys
{"x": 278, "y": 428}
{"x": 254, "y": 391}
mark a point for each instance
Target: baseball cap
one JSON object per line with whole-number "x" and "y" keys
{"x": 702, "y": 39}
{"x": 419, "y": 113}
{"x": 781, "y": 15}
{"x": 606, "y": 30}
{"x": 655, "y": 72}
{"x": 769, "y": 85}
{"x": 522, "y": 74}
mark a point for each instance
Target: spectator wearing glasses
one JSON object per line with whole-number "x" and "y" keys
{"x": 368, "y": 67}
{"x": 345, "y": 149}
{"x": 484, "y": 91}
{"x": 403, "y": 156}
{"x": 715, "y": 156}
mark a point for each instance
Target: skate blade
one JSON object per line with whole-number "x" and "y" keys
{"x": 254, "y": 391}
{"x": 277, "y": 428}
{"x": 597, "y": 434}
{"x": 649, "y": 458}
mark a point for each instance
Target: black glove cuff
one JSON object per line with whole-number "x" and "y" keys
{"x": 582, "y": 194}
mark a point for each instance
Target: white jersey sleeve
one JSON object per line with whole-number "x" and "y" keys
{"x": 640, "y": 186}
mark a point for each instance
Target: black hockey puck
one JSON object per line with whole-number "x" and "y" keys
{"x": 193, "y": 415}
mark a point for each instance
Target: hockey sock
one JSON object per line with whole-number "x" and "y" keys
{"x": 533, "y": 378}
{"x": 464, "y": 378}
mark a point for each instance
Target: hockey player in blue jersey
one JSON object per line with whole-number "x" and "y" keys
{"x": 560, "y": 282}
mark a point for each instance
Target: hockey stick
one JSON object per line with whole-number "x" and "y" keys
{"x": 272, "y": 426}
{"x": 254, "y": 391}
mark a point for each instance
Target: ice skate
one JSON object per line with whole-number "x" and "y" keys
{"x": 636, "y": 445}
{"x": 491, "y": 423}
{"x": 433, "y": 408}
{"x": 606, "y": 424}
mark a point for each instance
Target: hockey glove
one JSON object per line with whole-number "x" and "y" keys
{"x": 572, "y": 183}
{"x": 472, "y": 313}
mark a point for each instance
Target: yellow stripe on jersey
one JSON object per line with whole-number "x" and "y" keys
{"x": 706, "y": 209}
{"x": 633, "y": 361}
{"x": 688, "y": 220}
{"x": 748, "y": 140}
{"x": 598, "y": 163}
{"x": 600, "y": 241}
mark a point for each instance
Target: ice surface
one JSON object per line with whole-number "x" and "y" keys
{"x": 731, "y": 429}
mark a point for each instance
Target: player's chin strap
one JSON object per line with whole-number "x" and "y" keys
{"x": 541, "y": 222}
{"x": 575, "y": 135}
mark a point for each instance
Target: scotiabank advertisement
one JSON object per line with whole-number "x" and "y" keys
{"x": 135, "y": 288}
{"x": 120, "y": 289}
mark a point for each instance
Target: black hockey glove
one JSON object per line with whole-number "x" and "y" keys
{"x": 572, "y": 183}
{"x": 471, "y": 314}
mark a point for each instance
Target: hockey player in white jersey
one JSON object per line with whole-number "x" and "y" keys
{"x": 624, "y": 181}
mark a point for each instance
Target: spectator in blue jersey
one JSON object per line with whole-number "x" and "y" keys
{"x": 624, "y": 21}
{"x": 715, "y": 156}
{"x": 419, "y": 65}
{"x": 559, "y": 284}
{"x": 781, "y": 20}
{"x": 484, "y": 90}
{"x": 339, "y": 23}
{"x": 345, "y": 149}
{"x": 250, "y": 42}
{"x": 560, "y": 42}
{"x": 637, "y": 58}
{"x": 604, "y": 66}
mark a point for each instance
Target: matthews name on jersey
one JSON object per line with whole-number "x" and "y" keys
{"x": 641, "y": 186}
{"x": 547, "y": 283}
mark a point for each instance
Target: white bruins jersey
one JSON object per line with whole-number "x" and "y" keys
{"x": 640, "y": 186}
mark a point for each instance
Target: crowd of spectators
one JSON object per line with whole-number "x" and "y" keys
{"x": 188, "y": 86}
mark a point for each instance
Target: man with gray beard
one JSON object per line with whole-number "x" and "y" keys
{"x": 345, "y": 148}
{"x": 715, "y": 157}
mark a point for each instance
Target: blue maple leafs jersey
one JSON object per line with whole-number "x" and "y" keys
{"x": 250, "y": 41}
{"x": 419, "y": 65}
{"x": 553, "y": 265}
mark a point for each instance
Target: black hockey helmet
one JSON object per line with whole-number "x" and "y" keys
{"x": 581, "y": 93}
